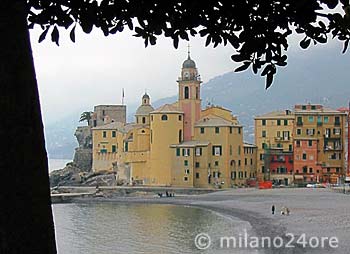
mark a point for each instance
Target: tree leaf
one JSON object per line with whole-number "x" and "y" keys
{"x": 243, "y": 67}
{"x": 55, "y": 36}
{"x": 269, "y": 79}
{"x": 305, "y": 43}
{"x": 43, "y": 34}
{"x": 346, "y": 44}
{"x": 72, "y": 34}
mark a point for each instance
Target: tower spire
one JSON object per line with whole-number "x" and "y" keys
{"x": 188, "y": 51}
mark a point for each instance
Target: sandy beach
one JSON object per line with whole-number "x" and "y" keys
{"x": 316, "y": 213}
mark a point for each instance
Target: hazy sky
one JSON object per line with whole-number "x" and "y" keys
{"x": 75, "y": 76}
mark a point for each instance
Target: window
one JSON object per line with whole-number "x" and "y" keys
{"x": 126, "y": 146}
{"x": 217, "y": 151}
{"x": 310, "y": 132}
{"x": 300, "y": 120}
{"x": 103, "y": 150}
{"x": 180, "y": 136}
{"x": 180, "y": 117}
{"x": 327, "y": 133}
{"x": 278, "y": 122}
{"x": 297, "y": 143}
{"x": 202, "y": 130}
{"x": 185, "y": 152}
{"x": 197, "y": 92}
{"x": 197, "y": 164}
{"x": 185, "y": 162}
{"x": 164, "y": 117}
{"x": 311, "y": 119}
{"x": 251, "y": 161}
{"x": 263, "y": 145}
{"x": 285, "y": 135}
{"x": 239, "y": 150}
{"x": 319, "y": 119}
{"x": 185, "y": 178}
{"x": 230, "y": 130}
{"x": 263, "y": 122}
{"x": 217, "y": 130}
{"x": 263, "y": 134}
{"x": 187, "y": 93}
{"x": 325, "y": 119}
{"x": 278, "y": 134}
{"x": 336, "y": 131}
{"x": 187, "y": 171}
{"x": 311, "y": 158}
{"x": 337, "y": 120}
{"x": 310, "y": 143}
{"x": 114, "y": 134}
{"x": 305, "y": 170}
{"x": 290, "y": 148}
{"x": 298, "y": 131}
{"x": 239, "y": 162}
{"x": 303, "y": 107}
{"x": 230, "y": 149}
{"x": 104, "y": 134}
{"x": 304, "y": 156}
{"x": 198, "y": 151}
{"x": 152, "y": 118}
{"x": 239, "y": 130}
{"x": 245, "y": 161}
{"x": 233, "y": 175}
{"x": 245, "y": 174}
{"x": 114, "y": 148}
{"x": 177, "y": 151}
{"x": 285, "y": 122}
{"x": 261, "y": 156}
{"x": 313, "y": 107}
{"x": 197, "y": 175}
{"x": 95, "y": 123}
{"x": 216, "y": 163}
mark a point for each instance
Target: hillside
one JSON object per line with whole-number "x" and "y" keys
{"x": 317, "y": 76}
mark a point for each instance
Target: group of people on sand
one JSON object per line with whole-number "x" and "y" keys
{"x": 284, "y": 210}
{"x": 167, "y": 194}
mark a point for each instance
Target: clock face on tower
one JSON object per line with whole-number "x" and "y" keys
{"x": 186, "y": 74}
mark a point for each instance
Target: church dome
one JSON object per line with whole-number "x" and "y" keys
{"x": 144, "y": 110}
{"x": 189, "y": 63}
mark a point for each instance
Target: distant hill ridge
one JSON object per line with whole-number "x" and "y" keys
{"x": 319, "y": 76}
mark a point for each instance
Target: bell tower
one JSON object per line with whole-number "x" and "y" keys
{"x": 189, "y": 96}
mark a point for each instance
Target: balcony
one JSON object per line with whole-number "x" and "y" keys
{"x": 332, "y": 148}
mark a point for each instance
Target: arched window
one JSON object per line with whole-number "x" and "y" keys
{"x": 180, "y": 117}
{"x": 164, "y": 117}
{"x": 187, "y": 92}
{"x": 143, "y": 119}
{"x": 180, "y": 136}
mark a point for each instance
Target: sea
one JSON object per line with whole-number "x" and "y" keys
{"x": 114, "y": 228}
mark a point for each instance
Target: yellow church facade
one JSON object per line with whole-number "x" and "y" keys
{"x": 177, "y": 144}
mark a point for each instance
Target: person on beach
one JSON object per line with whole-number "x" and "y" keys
{"x": 273, "y": 209}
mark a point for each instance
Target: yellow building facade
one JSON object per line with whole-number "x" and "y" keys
{"x": 177, "y": 144}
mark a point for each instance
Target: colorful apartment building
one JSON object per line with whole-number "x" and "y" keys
{"x": 319, "y": 144}
{"x": 274, "y": 138}
{"x": 177, "y": 144}
{"x": 306, "y": 145}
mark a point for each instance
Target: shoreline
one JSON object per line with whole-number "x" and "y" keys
{"x": 254, "y": 207}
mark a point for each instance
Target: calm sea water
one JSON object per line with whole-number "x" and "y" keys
{"x": 138, "y": 228}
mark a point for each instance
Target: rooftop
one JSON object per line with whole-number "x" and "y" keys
{"x": 277, "y": 115}
{"x": 214, "y": 121}
{"x": 167, "y": 108}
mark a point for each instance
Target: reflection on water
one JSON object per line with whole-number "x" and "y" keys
{"x": 136, "y": 228}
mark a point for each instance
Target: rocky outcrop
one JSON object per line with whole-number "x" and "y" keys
{"x": 71, "y": 175}
{"x": 83, "y": 153}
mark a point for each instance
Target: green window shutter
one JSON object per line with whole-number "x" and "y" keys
{"x": 177, "y": 151}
